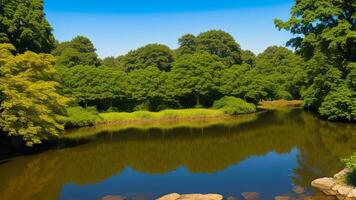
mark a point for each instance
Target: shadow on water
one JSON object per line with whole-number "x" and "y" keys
{"x": 123, "y": 156}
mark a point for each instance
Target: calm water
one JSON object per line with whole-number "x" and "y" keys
{"x": 269, "y": 153}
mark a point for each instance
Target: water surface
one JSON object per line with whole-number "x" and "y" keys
{"x": 270, "y": 153}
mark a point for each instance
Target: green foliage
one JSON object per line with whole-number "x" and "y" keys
{"x": 234, "y": 106}
{"x": 327, "y": 25}
{"x": 215, "y": 42}
{"x": 248, "y": 57}
{"x": 152, "y": 55}
{"x": 351, "y": 162}
{"x": 31, "y": 107}
{"x": 339, "y": 105}
{"x": 80, "y": 117}
{"x": 196, "y": 75}
{"x": 23, "y": 24}
{"x": 87, "y": 84}
{"x": 79, "y": 51}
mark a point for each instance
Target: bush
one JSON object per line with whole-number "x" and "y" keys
{"x": 351, "y": 162}
{"x": 79, "y": 117}
{"x": 234, "y": 106}
{"x": 339, "y": 105}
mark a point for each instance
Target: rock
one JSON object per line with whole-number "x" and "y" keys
{"x": 251, "y": 195}
{"x": 200, "y": 197}
{"x": 342, "y": 173}
{"x": 299, "y": 190}
{"x": 282, "y": 198}
{"x": 112, "y": 197}
{"x": 352, "y": 194}
{"x": 173, "y": 196}
{"x": 336, "y": 187}
{"x": 231, "y": 198}
{"x": 344, "y": 190}
{"x": 325, "y": 185}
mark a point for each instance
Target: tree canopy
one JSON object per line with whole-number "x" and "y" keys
{"x": 23, "y": 24}
{"x": 79, "y": 51}
{"x": 31, "y": 106}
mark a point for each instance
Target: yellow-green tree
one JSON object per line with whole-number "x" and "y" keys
{"x": 31, "y": 107}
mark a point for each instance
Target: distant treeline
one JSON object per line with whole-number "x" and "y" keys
{"x": 40, "y": 78}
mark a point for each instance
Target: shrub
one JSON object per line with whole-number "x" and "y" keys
{"x": 234, "y": 106}
{"x": 339, "y": 105}
{"x": 79, "y": 117}
{"x": 351, "y": 162}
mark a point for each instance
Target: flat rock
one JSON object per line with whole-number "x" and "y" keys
{"x": 173, "y": 196}
{"x": 299, "y": 190}
{"x": 251, "y": 195}
{"x": 114, "y": 197}
{"x": 325, "y": 185}
{"x": 344, "y": 190}
{"x": 282, "y": 198}
{"x": 231, "y": 198}
{"x": 200, "y": 197}
{"x": 352, "y": 194}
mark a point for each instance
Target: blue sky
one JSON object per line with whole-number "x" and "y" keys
{"x": 117, "y": 26}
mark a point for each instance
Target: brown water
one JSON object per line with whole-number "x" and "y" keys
{"x": 270, "y": 153}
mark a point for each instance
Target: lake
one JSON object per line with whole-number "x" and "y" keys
{"x": 271, "y": 153}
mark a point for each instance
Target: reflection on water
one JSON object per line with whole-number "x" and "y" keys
{"x": 270, "y": 154}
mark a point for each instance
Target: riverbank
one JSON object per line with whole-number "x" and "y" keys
{"x": 280, "y": 104}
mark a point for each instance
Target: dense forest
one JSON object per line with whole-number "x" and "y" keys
{"x": 41, "y": 79}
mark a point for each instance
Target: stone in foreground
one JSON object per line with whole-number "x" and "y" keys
{"x": 251, "y": 195}
{"x": 175, "y": 196}
{"x": 325, "y": 185}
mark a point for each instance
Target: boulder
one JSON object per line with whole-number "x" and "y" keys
{"x": 231, "y": 198}
{"x": 251, "y": 195}
{"x": 173, "y": 196}
{"x": 200, "y": 197}
{"x": 325, "y": 185}
{"x": 344, "y": 190}
{"x": 352, "y": 194}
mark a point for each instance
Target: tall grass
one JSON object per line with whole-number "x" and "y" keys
{"x": 165, "y": 114}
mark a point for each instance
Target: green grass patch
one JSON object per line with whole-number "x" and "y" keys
{"x": 79, "y": 117}
{"x": 165, "y": 114}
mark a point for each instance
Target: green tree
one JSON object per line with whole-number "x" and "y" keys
{"x": 23, "y": 24}
{"x": 31, "y": 108}
{"x": 197, "y": 75}
{"x": 248, "y": 57}
{"x": 101, "y": 85}
{"x": 187, "y": 44}
{"x": 339, "y": 104}
{"x": 220, "y": 43}
{"x": 79, "y": 51}
{"x": 152, "y": 55}
{"x": 327, "y": 25}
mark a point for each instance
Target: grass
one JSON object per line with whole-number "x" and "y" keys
{"x": 162, "y": 115}
{"x": 280, "y": 104}
{"x": 91, "y": 132}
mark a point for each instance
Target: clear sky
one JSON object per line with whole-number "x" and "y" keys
{"x": 117, "y": 26}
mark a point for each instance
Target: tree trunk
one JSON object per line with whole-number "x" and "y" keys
{"x": 197, "y": 99}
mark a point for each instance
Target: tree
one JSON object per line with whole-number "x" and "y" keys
{"x": 187, "y": 44}
{"x": 220, "y": 43}
{"x": 152, "y": 55}
{"x": 88, "y": 84}
{"x": 31, "y": 108}
{"x": 23, "y": 24}
{"x": 327, "y": 25}
{"x": 79, "y": 51}
{"x": 248, "y": 57}
{"x": 197, "y": 75}
{"x": 339, "y": 104}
